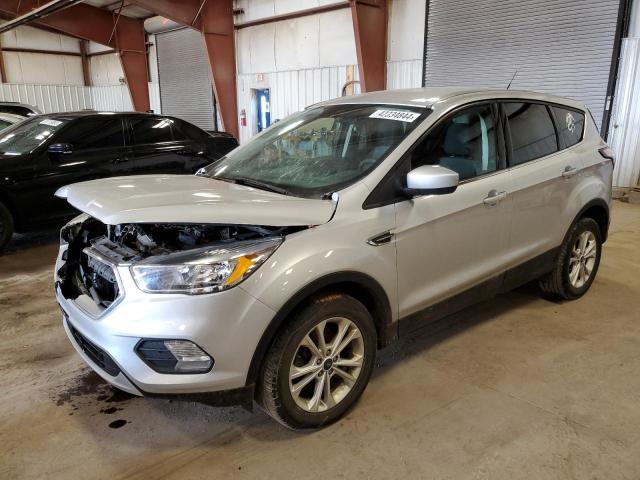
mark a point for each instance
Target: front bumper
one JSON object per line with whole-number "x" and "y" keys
{"x": 227, "y": 325}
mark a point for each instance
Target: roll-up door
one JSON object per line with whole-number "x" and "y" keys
{"x": 183, "y": 73}
{"x": 560, "y": 47}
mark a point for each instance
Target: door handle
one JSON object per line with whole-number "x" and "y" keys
{"x": 569, "y": 171}
{"x": 494, "y": 197}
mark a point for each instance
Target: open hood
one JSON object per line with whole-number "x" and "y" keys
{"x": 191, "y": 199}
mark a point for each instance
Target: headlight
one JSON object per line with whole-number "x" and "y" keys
{"x": 206, "y": 270}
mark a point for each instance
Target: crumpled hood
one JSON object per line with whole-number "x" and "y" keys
{"x": 191, "y": 199}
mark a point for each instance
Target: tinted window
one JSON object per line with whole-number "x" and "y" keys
{"x": 93, "y": 132}
{"x": 152, "y": 129}
{"x": 464, "y": 143}
{"x": 16, "y": 110}
{"x": 191, "y": 131}
{"x": 570, "y": 125}
{"x": 4, "y": 124}
{"x": 532, "y": 132}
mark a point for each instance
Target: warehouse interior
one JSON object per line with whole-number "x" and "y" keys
{"x": 516, "y": 387}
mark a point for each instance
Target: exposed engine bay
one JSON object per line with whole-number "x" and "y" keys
{"x": 94, "y": 248}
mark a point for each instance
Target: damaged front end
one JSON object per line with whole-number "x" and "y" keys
{"x": 161, "y": 258}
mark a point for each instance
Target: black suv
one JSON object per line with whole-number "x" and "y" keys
{"x": 45, "y": 152}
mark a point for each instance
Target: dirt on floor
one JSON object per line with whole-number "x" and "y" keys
{"x": 515, "y": 388}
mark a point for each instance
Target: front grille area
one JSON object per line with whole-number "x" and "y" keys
{"x": 95, "y": 353}
{"x": 99, "y": 279}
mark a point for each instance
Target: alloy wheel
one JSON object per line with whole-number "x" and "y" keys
{"x": 326, "y": 364}
{"x": 582, "y": 259}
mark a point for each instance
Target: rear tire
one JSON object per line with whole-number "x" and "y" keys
{"x": 309, "y": 380}
{"x": 6, "y": 226}
{"x": 577, "y": 263}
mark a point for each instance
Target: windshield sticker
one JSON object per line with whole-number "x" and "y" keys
{"x": 399, "y": 115}
{"x": 50, "y": 122}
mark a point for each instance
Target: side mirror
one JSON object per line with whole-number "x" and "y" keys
{"x": 60, "y": 148}
{"x": 431, "y": 180}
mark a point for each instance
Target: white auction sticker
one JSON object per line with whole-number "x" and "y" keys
{"x": 50, "y": 122}
{"x": 399, "y": 115}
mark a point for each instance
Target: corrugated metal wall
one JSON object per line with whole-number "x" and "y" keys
{"x": 625, "y": 134}
{"x": 48, "y": 98}
{"x": 404, "y": 74}
{"x": 563, "y": 48}
{"x": 290, "y": 91}
{"x": 68, "y": 98}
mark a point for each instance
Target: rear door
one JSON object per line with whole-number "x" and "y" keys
{"x": 97, "y": 150}
{"x": 159, "y": 147}
{"x": 543, "y": 177}
{"x": 447, "y": 244}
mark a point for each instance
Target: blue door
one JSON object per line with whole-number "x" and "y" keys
{"x": 264, "y": 109}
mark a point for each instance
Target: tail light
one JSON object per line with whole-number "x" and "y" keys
{"x": 607, "y": 153}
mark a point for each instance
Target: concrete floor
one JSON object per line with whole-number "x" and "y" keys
{"x": 516, "y": 388}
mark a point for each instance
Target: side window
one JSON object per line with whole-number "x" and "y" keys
{"x": 190, "y": 131}
{"x": 465, "y": 143}
{"x": 94, "y": 132}
{"x": 532, "y": 132}
{"x": 152, "y": 129}
{"x": 570, "y": 125}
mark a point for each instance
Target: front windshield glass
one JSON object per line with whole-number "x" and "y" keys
{"x": 26, "y": 136}
{"x": 320, "y": 150}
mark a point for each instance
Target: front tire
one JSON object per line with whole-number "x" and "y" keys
{"x": 6, "y": 226}
{"x": 319, "y": 363}
{"x": 577, "y": 262}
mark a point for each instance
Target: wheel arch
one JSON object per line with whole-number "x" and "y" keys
{"x": 598, "y": 210}
{"x": 5, "y": 199}
{"x": 358, "y": 285}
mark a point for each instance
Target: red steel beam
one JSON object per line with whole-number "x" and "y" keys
{"x": 97, "y": 25}
{"x": 370, "y": 29}
{"x": 214, "y": 20}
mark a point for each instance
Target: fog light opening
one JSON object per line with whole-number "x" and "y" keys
{"x": 174, "y": 356}
{"x": 190, "y": 357}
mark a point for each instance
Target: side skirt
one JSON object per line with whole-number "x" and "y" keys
{"x": 513, "y": 278}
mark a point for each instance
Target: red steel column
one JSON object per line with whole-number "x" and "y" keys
{"x": 214, "y": 20}
{"x": 370, "y": 29}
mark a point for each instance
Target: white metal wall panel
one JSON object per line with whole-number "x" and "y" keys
{"x": 290, "y": 91}
{"x": 185, "y": 84}
{"x": 625, "y": 134}
{"x": 560, "y": 47}
{"x": 154, "y": 97}
{"x": 111, "y": 98}
{"x": 404, "y": 74}
{"x": 48, "y": 98}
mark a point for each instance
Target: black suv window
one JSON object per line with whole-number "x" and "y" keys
{"x": 190, "y": 130}
{"x": 532, "y": 132}
{"x": 16, "y": 110}
{"x": 93, "y": 132}
{"x": 466, "y": 143}
{"x": 570, "y": 125}
{"x": 152, "y": 130}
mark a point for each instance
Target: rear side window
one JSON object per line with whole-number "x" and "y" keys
{"x": 532, "y": 132}
{"x": 152, "y": 130}
{"x": 570, "y": 125}
{"x": 94, "y": 132}
{"x": 191, "y": 131}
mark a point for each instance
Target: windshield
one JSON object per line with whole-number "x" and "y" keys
{"x": 320, "y": 150}
{"x": 26, "y": 136}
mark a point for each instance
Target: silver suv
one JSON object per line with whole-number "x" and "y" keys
{"x": 276, "y": 273}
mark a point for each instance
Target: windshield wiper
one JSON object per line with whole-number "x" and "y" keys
{"x": 250, "y": 182}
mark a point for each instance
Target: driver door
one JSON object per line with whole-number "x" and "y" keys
{"x": 447, "y": 244}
